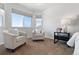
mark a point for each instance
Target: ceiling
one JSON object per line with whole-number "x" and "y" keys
{"x": 39, "y": 7}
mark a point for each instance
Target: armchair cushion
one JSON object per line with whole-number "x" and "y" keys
{"x": 19, "y": 38}
{"x": 37, "y": 34}
{"x": 14, "y": 31}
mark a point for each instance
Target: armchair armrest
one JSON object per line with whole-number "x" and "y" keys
{"x": 22, "y": 32}
{"x": 14, "y": 35}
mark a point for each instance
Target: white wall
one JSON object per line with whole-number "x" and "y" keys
{"x": 2, "y": 5}
{"x": 1, "y": 28}
{"x": 1, "y": 36}
{"x": 53, "y": 16}
{"x": 74, "y": 25}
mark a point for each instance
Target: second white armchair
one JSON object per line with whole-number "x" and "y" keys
{"x": 38, "y": 35}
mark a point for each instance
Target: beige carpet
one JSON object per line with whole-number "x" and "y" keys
{"x": 46, "y": 47}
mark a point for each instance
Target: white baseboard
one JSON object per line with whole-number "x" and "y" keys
{"x": 1, "y": 43}
{"x": 50, "y": 37}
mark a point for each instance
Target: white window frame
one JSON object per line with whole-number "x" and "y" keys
{"x": 41, "y": 22}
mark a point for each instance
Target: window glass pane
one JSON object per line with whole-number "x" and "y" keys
{"x": 27, "y": 21}
{"x": 17, "y": 20}
{"x": 38, "y": 22}
{"x": 0, "y": 21}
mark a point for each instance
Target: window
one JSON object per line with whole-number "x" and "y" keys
{"x": 17, "y": 20}
{"x": 27, "y": 21}
{"x": 0, "y": 21}
{"x": 38, "y": 22}
{"x": 21, "y": 20}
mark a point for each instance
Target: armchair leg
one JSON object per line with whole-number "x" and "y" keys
{"x": 25, "y": 43}
{"x": 55, "y": 41}
{"x": 12, "y": 50}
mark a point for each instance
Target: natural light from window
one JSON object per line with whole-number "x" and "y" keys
{"x": 21, "y": 20}
{"x": 27, "y": 21}
{"x": 17, "y": 20}
{"x": 38, "y": 22}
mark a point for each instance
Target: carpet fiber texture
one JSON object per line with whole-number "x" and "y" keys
{"x": 46, "y": 47}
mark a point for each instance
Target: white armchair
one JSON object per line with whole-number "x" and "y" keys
{"x": 38, "y": 35}
{"x": 12, "y": 39}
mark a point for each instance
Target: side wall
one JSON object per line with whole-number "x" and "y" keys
{"x": 53, "y": 16}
